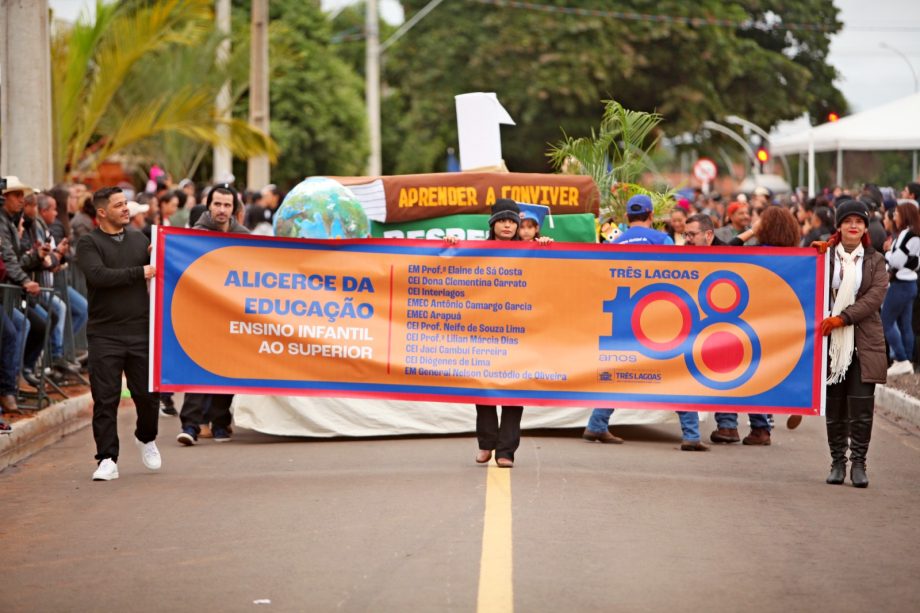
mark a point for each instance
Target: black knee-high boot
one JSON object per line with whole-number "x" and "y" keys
{"x": 838, "y": 431}
{"x": 861, "y": 413}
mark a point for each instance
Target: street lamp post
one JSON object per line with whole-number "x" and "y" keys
{"x": 913, "y": 72}
{"x": 741, "y": 121}
{"x": 717, "y": 127}
{"x": 906, "y": 59}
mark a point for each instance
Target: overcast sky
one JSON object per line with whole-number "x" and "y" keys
{"x": 870, "y": 74}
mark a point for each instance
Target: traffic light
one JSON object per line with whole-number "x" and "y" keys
{"x": 763, "y": 156}
{"x": 833, "y": 116}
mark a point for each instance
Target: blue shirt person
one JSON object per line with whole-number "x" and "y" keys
{"x": 639, "y": 212}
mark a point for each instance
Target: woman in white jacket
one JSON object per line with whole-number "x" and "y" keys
{"x": 903, "y": 257}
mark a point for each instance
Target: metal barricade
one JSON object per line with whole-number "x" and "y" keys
{"x": 63, "y": 379}
{"x": 76, "y": 280}
{"x": 69, "y": 376}
{"x": 16, "y": 306}
{"x": 40, "y": 397}
{"x": 11, "y": 301}
{"x": 63, "y": 287}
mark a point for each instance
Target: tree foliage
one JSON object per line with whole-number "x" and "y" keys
{"x": 615, "y": 157}
{"x": 317, "y": 99}
{"x": 348, "y": 35}
{"x": 550, "y": 70}
{"x": 140, "y": 74}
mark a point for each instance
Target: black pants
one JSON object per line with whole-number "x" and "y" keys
{"x": 35, "y": 341}
{"x": 108, "y": 359}
{"x": 503, "y": 439}
{"x": 217, "y": 407}
{"x": 9, "y": 358}
{"x": 849, "y": 415}
{"x": 852, "y": 384}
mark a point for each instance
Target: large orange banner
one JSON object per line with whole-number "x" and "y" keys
{"x": 501, "y": 323}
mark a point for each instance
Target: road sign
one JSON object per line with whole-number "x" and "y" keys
{"x": 705, "y": 170}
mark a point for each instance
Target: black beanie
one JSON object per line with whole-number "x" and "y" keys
{"x": 505, "y": 208}
{"x": 847, "y": 207}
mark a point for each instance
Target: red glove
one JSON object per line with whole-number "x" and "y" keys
{"x": 830, "y": 323}
{"x": 821, "y": 246}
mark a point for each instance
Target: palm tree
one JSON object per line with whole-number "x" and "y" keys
{"x": 126, "y": 82}
{"x": 615, "y": 157}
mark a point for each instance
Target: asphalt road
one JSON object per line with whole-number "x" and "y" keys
{"x": 398, "y": 525}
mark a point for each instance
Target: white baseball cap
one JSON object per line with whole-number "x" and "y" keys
{"x": 135, "y": 208}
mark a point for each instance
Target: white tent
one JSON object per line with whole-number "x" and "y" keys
{"x": 892, "y": 126}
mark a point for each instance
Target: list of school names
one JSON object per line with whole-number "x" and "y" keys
{"x": 453, "y": 331}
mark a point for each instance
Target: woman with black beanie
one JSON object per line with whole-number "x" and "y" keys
{"x": 856, "y": 351}
{"x": 503, "y": 438}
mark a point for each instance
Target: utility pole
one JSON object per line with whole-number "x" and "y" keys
{"x": 372, "y": 87}
{"x": 258, "y": 168}
{"x": 373, "y": 52}
{"x": 223, "y": 159}
{"x": 25, "y": 94}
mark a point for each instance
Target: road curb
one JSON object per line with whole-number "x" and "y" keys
{"x": 47, "y": 427}
{"x": 898, "y": 405}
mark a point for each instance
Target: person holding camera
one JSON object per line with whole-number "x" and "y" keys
{"x": 50, "y": 306}
{"x": 18, "y": 261}
{"x": 9, "y": 366}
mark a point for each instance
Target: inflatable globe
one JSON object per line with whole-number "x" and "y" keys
{"x": 321, "y": 208}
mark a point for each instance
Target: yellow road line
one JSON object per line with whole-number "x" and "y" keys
{"x": 496, "y": 594}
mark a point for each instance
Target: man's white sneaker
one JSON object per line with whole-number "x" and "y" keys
{"x": 904, "y": 367}
{"x": 150, "y": 455}
{"x": 106, "y": 471}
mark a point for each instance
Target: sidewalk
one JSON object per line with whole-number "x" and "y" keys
{"x": 29, "y": 436}
{"x": 46, "y": 427}
{"x": 903, "y": 409}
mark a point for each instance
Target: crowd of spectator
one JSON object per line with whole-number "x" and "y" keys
{"x": 893, "y": 228}
{"x": 43, "y": 298}
{"x": 43, "y": 305}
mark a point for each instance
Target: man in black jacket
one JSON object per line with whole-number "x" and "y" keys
{"x": 20, "y": 259}
{"x": 223, "y": 205}
{"x": 115, "y": 262}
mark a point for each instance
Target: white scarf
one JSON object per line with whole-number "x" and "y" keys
{"x": 842, "y": 339}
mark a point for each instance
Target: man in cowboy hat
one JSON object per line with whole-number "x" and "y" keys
{"x": 13, "y": 184}
{"x": 19, "y": 259}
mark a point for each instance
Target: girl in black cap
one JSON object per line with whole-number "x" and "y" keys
{"x": 856, "y": 351}
{"x": 503, "y": 438}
